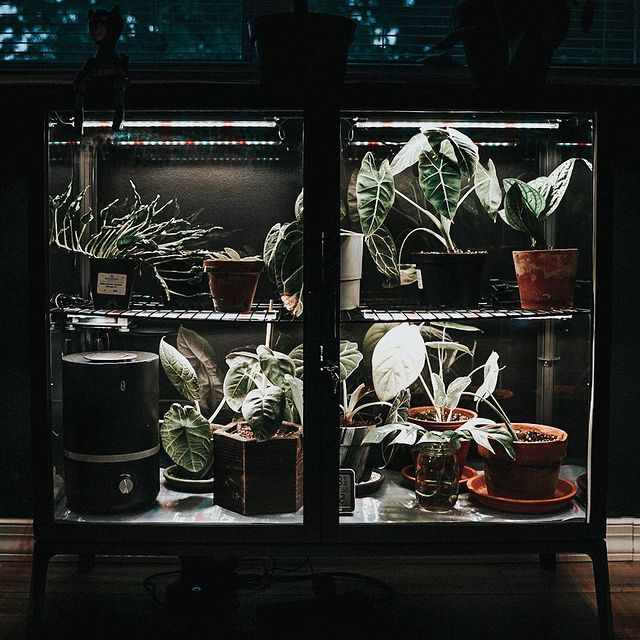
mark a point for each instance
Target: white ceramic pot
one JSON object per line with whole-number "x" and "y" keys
{"x": 351, "y": 246}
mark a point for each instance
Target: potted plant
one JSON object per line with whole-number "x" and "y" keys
{"x": 187, "y": 436}
{"x": 546, "y": 276}
{"x": 283, "y": 259}
{"x": 124, "y": 235}
{"x": 301, "y": 49}
{"x": 232, "y": 279}
{"x": 446, "y": 162}
{"x": 258, "y": 459}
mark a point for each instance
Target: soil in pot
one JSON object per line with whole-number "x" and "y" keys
{"x": 353, "y": 454}
{"x": 546, "y": 278}
{"x": 233, "y": 283}
{"x": 426, "y": 417}
{"x": 450, "y": 280}
{"x": 533, "y": 475}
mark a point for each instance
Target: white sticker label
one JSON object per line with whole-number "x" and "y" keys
{"x": 419, "y": 278}
{"x": 112, "y": 284}
{"x": 347, "y": 491}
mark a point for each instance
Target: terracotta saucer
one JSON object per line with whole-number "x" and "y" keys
{"x": 408, "y": 475}
{"x": 565, "y": 491}
{"x": 582, "y": 482}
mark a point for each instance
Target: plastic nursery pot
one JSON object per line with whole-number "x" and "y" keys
{"x": 546, "y": 277}
{"x": 233, "y": 283}
{"x": 533, "y": 474}
{"x": 112, "y": 282}
{"x": 450, "y": 280}
{"x": 300, "y": 48}
{"x": 351, "y": 247}
{"x": 353, "y": 454}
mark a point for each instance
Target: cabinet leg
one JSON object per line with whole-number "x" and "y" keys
{"x": 40, "y": 563}
{"x": 603, "y": 589}
{"x": 548, "y": 561}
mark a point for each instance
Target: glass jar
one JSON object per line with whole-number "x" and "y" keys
{"x": 436, "y": 476}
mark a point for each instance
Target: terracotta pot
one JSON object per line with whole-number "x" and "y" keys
{"x": 533, "y": 474}
{"x": 233, "y": 283}
{"x": 546, "y": 277}
{"x": 433, "y": 425}
{"x": 450, "y": 280}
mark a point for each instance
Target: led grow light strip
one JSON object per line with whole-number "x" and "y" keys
{"x": 183, "y": 143}
{"x": 574, "y": 144}
{"x": 149, "y": 124}
{"x": 455, "y": 124}
{"x": 376, "y": 143}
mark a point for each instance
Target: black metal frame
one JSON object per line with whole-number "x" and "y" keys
{"x": 321, "y": 533}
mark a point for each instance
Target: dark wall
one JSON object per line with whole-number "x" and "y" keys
{"x": 15, "y": 456}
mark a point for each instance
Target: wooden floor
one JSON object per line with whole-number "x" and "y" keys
{"x": 432, "y": 601}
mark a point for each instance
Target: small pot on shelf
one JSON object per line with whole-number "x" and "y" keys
{"x": 233, "y": 283}
{"x": 112, "y": 282}
{"x": 450, "y": 280}
{"x": 546, "y": 278}
{"x": 351, "y": 248}
{"x": 533, "y": 474}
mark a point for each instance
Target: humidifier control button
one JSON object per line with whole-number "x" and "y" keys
{"x": 126, "y": 483}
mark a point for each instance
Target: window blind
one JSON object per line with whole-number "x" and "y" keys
{"x": 389, "y": 32}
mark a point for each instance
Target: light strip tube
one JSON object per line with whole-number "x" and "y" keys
{"x": 148, "y": 124}
{"x": 182, "y": 143}
{"x": 455, "y": 124}
{"x": 376, "y": 143}
{"x": 574, "y": 144}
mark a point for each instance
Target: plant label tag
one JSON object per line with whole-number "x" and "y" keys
{"x": 112, "y": 284}
{"x": 419, "y": 278}
{"x": 347, "y": 491}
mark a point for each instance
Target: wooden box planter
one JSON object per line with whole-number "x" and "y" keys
{"x": 256, "y": 478}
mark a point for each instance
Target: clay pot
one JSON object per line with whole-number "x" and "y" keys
{"x": 546, "y": 278}
{"x": 233, "y": 283}
{"x": 533, "y": 475}
{"x": 450, "y": 280}
{"x": 433, "y": 425}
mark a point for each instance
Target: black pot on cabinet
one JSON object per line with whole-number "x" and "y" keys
{"x": 111, "y": 434}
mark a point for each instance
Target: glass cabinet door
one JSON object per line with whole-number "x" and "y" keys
{"x": 466, "y": 343}
{"x": 175, "y": 279}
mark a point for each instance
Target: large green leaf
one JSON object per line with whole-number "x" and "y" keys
{"x": 350, "y": 358}
{"x": 234, "y": 357}
{"x": 458, "y": 147}
{"x": 296, "y": 387}
{"x": 203, "y": 360}
{"x": 375, "y": 193}
{"x": 269, "y": 249}
{"x": 441, "y": 180}
{"x": 522, "y": 208}
{"x": 558, "y": 181}
{"x": 179, "y": 371}
{"x": 288, "y": 266}
{"x": 238, "y": 382}
{"x": 398, "y": 360}
{"x": 374, "y": 335}
{"x": 399, "y": 407}
{"x": 186, "y": 437}
{"x": 382, "y": 249}
{"x": 409, "y": 154}
{"x": 297, "y": 355}
{"x": 263, "y": 409}
{"x": 275, "y": 365}
{"x": 488, "y": 188}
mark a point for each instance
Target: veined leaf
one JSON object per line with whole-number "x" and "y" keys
{"x": 350, "y": 358}
{"x": 238, "y": 382}
{"x": 409, "y": 154}
{"x": 186, "y": 438}
{"x": 382, "y": 249}
{"x": 459, "y": 147}
{"x": 488, "y": 188}
{"x": 275, "y": 365}
{"x": 297, "y": 395}
{"x": 298, "y": 208}
{"x": 263, "y": 409}
{"x": 439, "y": 392}
{"x": 297, "y": 355}
{"x": 558, "y": 182}
{"x": 373, "y": 335}
{"x": 399, "y": 407}
{"x": 522, "y": 208}
{"x": 455, "y": 390}
{"x": 445, "y": 345}
{"x": 203, "y": 360}
{"x": 179, "y": 371}
{"x": 398, "y": 360}
{"x": 375, "y": 193}
{"x": 441, "y": 180}
{"x": 241, "y": 356}
{"x": 490, "y": 370}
